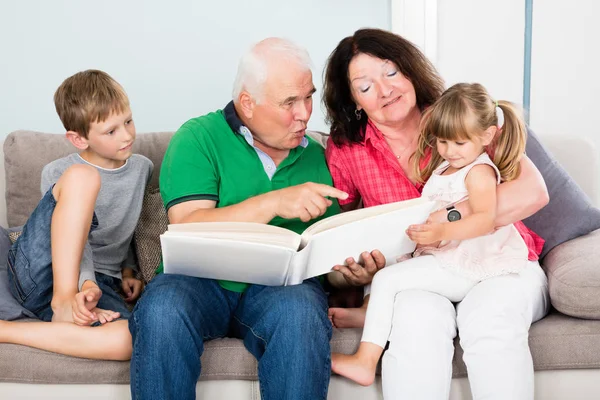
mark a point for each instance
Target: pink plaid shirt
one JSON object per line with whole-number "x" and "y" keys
{"x": 369, "y": 170}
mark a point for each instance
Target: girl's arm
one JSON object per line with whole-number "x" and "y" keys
{"x": 481, "y": 185}
{"x": 516, "y": 200}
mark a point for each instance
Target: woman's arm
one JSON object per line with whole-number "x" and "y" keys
{"x": 515, "y": 200}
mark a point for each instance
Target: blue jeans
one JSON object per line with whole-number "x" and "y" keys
{"x": 285, "y": 328}
{"x": 30, "y": 267}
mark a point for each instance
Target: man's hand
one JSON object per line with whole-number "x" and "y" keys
{"x": 306, "y": 201}
{"x": 362, "y": 272}
{"x": 84, "y": 302}
{"x": 132, "y": 287}
{"x": 428, "y": 233}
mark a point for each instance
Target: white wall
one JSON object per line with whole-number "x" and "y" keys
{"x": 565, "y": 70}
{"x": 176, "y": 59}
{"x": 482, "y": 41}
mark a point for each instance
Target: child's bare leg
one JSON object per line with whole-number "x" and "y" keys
{"x": 359, "y": 367}
{"x": 75, "y": 194}
{"x": 349, "y": 317}
{"x": 110, "y": 341}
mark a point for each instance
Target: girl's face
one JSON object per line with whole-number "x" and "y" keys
{"x": 378, "y": 87}
{"x": 460, "y": 153}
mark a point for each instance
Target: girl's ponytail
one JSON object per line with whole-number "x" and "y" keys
{"x": 509, "y": 143}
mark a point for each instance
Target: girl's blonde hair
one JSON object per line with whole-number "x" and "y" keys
{"x": 464, "y": 111}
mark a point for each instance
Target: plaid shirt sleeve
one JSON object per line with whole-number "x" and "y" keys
{"x": 340, "y": 175}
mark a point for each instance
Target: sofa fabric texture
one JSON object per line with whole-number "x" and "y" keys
{"x": 574, "y": 276}
{"x": 570, "y": 213}
{"x": 557, "y": 341}
{"x": 27, "y": 152}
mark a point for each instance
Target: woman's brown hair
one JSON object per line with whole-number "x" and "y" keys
{"x": 337, "y": 96}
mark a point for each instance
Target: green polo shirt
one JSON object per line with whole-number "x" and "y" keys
{"x": 207, "y": 160}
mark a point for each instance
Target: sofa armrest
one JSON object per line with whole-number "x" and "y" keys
{"x": 573, "y": 270}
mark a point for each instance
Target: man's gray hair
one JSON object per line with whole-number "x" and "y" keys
{"x": 254, "y": 65}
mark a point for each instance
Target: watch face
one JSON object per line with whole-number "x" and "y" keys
{"x": 453, "y": 215}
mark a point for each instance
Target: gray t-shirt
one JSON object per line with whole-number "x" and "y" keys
{"x": 118, "y": 208}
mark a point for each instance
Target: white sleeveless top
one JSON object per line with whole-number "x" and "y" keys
{"x": 497, "y": 253}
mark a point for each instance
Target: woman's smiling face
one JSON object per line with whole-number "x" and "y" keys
{"x": 379, "y": 88}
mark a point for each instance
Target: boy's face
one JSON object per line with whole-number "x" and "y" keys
{"x": 109, "y": 142}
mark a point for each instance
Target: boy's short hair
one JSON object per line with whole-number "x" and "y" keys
{"x": 86, "y": 97}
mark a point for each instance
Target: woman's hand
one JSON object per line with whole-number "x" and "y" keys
{"x": 362, "y": 272}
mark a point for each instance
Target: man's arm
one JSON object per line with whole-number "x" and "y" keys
{"x": 516, "y": 200}
{"x": 306, "y": 201}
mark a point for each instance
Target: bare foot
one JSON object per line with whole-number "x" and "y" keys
{"x": 3, "y": 325}
{"x": 62, "y": 311}
{"x": 105, "y": 316}
{"x": 353, "y": 367}
{"x": 348, "y": 317}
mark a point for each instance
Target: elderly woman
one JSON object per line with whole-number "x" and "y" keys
{"x": 377, "y": 86}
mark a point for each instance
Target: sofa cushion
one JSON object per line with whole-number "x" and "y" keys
{"x": 27, "y": 152}
{"x": 574, "y": 276}
{"x": 556, "y": 342}
{"x": 570, "y": 213}
{"x": 10, "y": 308}
{"x": 152, "y": 223}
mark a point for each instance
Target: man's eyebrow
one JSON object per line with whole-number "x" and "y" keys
{"x": 292, "y": 99}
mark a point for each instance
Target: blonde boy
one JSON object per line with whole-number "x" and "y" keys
{"x": 74, "y": 256}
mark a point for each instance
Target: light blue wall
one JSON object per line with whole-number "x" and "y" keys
{"x": 176, "y": 59}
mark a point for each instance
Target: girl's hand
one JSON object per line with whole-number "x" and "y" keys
{"x": 439, "y": 216}
{"x": 428, "y": 233}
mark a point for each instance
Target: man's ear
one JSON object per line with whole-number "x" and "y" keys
{"x": 77, "y": 140}
{"x": 247, "y": 104}
{"x": 488, "y": 135}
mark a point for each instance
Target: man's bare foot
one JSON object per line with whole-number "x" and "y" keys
{"x": 62, "y": 311}
{"x": 105, "y": 316}
{"x": 354, "y": 367}
{"x": 348, "y": 317}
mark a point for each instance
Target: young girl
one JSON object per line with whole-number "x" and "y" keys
{"x": 457, "y": 133}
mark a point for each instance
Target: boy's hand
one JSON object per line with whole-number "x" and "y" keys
{"x": 132, "y": 287}
{"x": 84, "y": 302}
{"x": 427, "y": 233}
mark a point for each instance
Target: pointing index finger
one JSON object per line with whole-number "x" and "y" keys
{"x": 330, "y": 191}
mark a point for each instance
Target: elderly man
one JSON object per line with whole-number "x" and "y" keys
{"x": 249, "y": 162}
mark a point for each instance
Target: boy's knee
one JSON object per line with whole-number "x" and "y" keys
{"x": 78, "y": 177}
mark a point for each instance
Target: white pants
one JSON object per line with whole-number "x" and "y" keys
{"x": 493, "y": 321}
{"x": 419, "y": 273}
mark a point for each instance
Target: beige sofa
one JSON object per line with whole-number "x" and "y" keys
{"x": 566, "y": 350}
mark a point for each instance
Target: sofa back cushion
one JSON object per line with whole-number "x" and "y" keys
{"x": 570, "y": 213}
{"x": 27, "y": 152}
{"x": 153, "y": 223}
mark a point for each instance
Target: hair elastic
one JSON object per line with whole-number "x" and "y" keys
{"x": 499, "y": 115}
